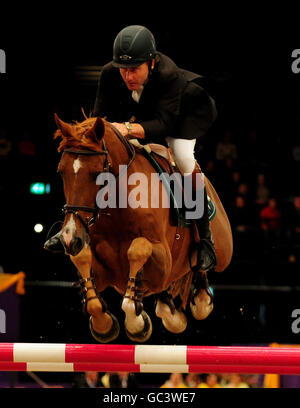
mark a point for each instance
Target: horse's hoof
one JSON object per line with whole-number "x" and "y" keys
{"x": 201, "y": 310}
{"x": 176, "y": 326}
{"x": 174, "y": 322}
{"x": 143, "y": 335}
{"x": 111, "y": 335}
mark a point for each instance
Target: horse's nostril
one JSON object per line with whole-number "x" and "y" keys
{"x": 76, "y": 245}
{"x": 54, "y": 244}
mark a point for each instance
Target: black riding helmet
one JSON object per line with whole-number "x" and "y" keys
{"x": 133, "y": 46}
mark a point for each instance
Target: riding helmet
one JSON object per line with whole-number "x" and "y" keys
{"x": 133, "y": 46}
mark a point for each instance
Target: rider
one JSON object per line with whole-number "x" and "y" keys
{"x": 147, "y": 96}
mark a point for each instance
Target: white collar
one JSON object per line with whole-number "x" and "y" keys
{"x": 136, "y": 95}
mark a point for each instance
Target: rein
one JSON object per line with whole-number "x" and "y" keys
{"x": 75, "y": 209}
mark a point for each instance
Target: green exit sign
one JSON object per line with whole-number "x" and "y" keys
{"x": 40, "y": 188}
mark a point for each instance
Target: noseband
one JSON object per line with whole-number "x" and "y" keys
{"x": 74, "y": 209}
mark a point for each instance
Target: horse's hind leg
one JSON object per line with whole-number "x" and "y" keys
{"x": 201, "y": 304}
{"x": 137, "y": 323}
{"x": 103, "y": 325}
{"x": 174, "y": 320}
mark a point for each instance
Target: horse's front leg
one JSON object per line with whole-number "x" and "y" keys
{"x": 103, "y": 325}
{"x": 137, "y": 323}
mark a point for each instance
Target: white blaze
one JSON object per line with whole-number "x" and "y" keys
{"x": 76, "y": 165}
{"x": 69, "y": 230}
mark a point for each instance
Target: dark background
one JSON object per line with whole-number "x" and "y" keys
{"x": 245, "y": 54}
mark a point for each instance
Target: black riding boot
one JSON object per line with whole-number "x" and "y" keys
{"x": 206, "y": 259}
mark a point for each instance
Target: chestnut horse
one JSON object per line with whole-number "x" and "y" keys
{"x": 137, "y": 251}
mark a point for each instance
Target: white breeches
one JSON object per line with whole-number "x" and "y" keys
{"x": 183, "y": 151}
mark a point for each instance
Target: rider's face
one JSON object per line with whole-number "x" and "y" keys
{"x": 135, "y": 78}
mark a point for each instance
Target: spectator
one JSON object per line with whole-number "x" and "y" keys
{"x": 241, "y": 215}
{"x": 232, "y": 184}
{"x": 236, "y": 381}
{"x": 89, "y": 379}
{"x": 262, "y": 191}
{"x": 243, "y": 190}
{"x": 5, "y": 144}
{"x": 26, "y": 146}
{"x": 226, "y": 149}
{"x": 236, "y": 180}
{"x": 192, "y": 380}
{"x": 254, "y": 150}
{"x": 224, "y": 379}
{"x": 254, "y": 380}
{"x": 175, "y": 381}
{"x": 210, "y": 172}
{"x": 293, "y": 227}
{"x": 270, "y": 217}
{"x": 296, "y": 150}
{"x": 122, "y": 380}
{"x": 212, "y": 381}
{"x": 296, "y": 202}
{"x": 243, "y": 226}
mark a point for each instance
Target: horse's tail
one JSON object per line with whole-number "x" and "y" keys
{"x": 182, "y": 288}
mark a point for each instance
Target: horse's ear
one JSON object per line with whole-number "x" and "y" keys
{"x": 98, "y": 129}
{"x": 65, "y": 128}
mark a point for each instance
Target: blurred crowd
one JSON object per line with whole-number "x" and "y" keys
{"x": 257, "y": 183}
{"x": 256, "y": 179}
{"x": 175, "y": 380}
{"x": 211, "y": 380}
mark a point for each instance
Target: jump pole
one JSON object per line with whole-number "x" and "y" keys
{"x": 147, "y": 358}
{"x": 149, "y": 368}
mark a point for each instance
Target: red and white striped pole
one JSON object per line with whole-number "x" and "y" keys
{"x": 147, "y": 358}
{"x": 149, "y": 368}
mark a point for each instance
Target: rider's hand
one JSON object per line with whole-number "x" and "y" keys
{"x": 121, "y": 127}
{"x": 137, "y": 131}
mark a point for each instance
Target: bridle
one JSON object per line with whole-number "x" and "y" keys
{"x": 75, "y": 209}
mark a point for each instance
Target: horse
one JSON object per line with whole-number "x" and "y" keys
{"x": 137, "y": 251}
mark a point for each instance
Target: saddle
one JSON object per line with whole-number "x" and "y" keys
{"x": 163, "y": 161}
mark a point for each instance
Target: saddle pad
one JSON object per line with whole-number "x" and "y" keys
{"x": 181, "y": 220}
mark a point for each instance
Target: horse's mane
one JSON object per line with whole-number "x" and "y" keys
{"x": 76, "y": 135}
